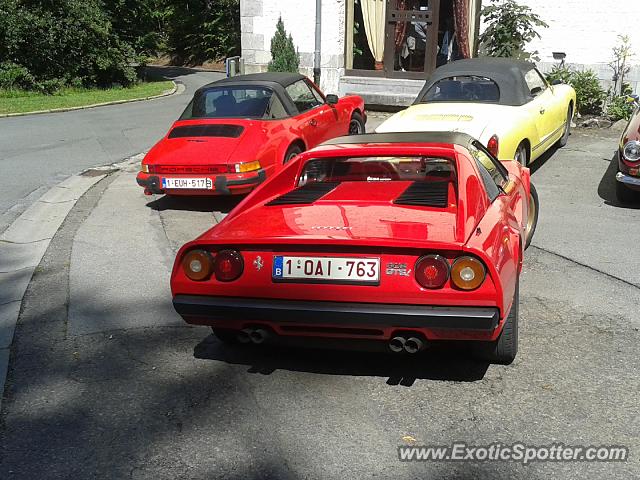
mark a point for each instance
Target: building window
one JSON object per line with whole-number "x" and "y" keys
{"x": 407, "y": 38}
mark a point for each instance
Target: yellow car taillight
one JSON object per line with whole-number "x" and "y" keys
{"x": 467, "y": 273}
{"x": 247, "y": 167}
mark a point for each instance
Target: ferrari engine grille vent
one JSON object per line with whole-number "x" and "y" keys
{"x": 306, "y": 194}
{"x": 230, "y": 131}
{"x": 425, "y": 194}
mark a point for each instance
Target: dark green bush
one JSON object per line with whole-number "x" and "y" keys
{"x": 619, "y": 108}
{"x": 284, "y": 57}
{"x": 590, "y": 95}
{"x": 61, "y": 42}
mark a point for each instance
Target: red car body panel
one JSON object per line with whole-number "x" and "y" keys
{"x": 266, "y": 141}
{"x": 360, "y": 219}
{"x": 626, "y": 167}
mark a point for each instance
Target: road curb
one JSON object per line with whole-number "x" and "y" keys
{"x": 166, "y": 93}
{"x": 24, "y": 243}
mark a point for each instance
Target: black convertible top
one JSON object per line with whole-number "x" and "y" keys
{"x": 454, "y": 138}
{"x": 507, "y": 73}
{"x": 266, "y": 78}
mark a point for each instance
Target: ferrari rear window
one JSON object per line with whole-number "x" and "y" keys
{"x": 469, "y": 88}
{"x": 235, "y": 102}
{"x": 377, "y": 169}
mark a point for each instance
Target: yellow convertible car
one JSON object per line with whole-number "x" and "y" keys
{"x": 506, "y": 104}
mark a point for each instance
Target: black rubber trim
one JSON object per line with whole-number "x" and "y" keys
{"x": 336, "y": 313}
{"x": 152, "y": 183}
{"x": 425, "y": 194}
{"x": 228, "y": 131}
{"x": 304, "y": 195}
{"x": 221, "y": 184}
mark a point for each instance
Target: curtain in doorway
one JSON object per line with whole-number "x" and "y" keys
{"x": 461, "y": 24}
{"x": 373, "y": 13}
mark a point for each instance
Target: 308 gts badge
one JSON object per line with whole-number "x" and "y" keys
{"x": 399, "y": 269}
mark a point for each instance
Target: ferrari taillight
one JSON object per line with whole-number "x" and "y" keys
{"x": 493, "y": 145}
{"x": 228, "y": 265}
{"x": 197, "y": 265}
{"x": 467, "y": 273}
{"x": 432, "y": 271}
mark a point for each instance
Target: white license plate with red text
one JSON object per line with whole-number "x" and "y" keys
{"x": 326, "y": 269}
{"x": 187, "y": 183}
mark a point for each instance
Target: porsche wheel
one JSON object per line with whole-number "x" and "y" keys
{"x": 567, "y": 129}
{"x": 356, "y": 125}
{"x": 292, "y": 152}
{"x": 532, "y": 215}
{"x": 522, "y": 155}
{"x": 504, "y": 350}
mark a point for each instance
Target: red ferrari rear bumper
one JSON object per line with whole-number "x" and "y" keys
{"x": 340, "y": 319}
{"x": 227, "y": 184}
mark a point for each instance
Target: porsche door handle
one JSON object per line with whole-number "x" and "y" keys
{"x": 542, "y": 110}
{"x": 313, "y": 122}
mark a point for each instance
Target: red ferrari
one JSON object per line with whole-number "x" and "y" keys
{"x": 404, "y": 238}
{"x": 239, "y": 130}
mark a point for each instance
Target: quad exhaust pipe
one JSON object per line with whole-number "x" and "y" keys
{"x": 253, "y": 335}
{"x": 407, "y": 344}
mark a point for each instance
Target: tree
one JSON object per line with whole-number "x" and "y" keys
{"x": 510, "y": 28}
{"x": 284, "y": 57}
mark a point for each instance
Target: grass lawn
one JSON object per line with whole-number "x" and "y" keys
{"x": 16, "y": 101}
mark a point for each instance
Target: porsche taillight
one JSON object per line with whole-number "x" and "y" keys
{"x": 493, "y": 145}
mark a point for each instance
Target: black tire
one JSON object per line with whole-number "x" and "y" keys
{"x": 504, "y": 350}
{"x": 356, "y": 124}
{"x": 567, "y": 129}
{"x": 625, "y": 195}
{"x": 532, "y": 218}
{"x": 228, "y": 337}
{"x": 293, "y": 151}
{"x": 522, "y": 154}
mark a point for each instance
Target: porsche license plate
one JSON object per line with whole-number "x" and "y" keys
{"x": 326, "y": 269}
{"x": 187, "y": 183}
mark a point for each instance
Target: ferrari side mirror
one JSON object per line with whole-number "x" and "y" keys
{"x": 332, "y": 99}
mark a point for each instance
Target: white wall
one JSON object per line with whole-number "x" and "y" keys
{"x": 587, "y": 30}
{"x": 258, "y": 20}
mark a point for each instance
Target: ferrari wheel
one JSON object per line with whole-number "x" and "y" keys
{"x": 292, "y": 152}
{"x": 567, "y": 129}
{"x": 626, "y": 195}
{"x": 504, "y": 350}
{"x": 522, "y": 155}
{"x": 532, "y": 215}
{"x": 356, "y": 125}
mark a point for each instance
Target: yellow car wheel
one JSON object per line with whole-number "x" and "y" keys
{"x": 532, "y": 215}
{"x": 522, "y": 155}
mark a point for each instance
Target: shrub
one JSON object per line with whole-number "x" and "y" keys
{"x": 60, "y": 42}
{"x": 14, "y": 76}
{"x": 284, "y": 57}
{"x": 590, "y": 95}
{"x": 510, "y": 27}
{"x": 619, "y": 108}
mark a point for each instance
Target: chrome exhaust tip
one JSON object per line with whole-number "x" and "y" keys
{"x": 396, "y": 344}
{"x": 413, "y": 345}
{"x": 244, "y": 335}
{"x": 258, "y": 336}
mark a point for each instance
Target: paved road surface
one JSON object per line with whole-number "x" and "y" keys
{"x": 96, "y": 389}
{"x": 39, "y": 151}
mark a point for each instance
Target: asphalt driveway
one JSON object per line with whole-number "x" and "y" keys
{"x": 106, "y": 382}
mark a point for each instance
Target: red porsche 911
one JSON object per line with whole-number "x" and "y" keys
{"x": 239, "y": 130}
{"x": 402, "y": 238}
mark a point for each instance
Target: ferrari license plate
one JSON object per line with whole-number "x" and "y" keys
{"x": 326, "y": 269}
{"x": 187, "y": 183}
